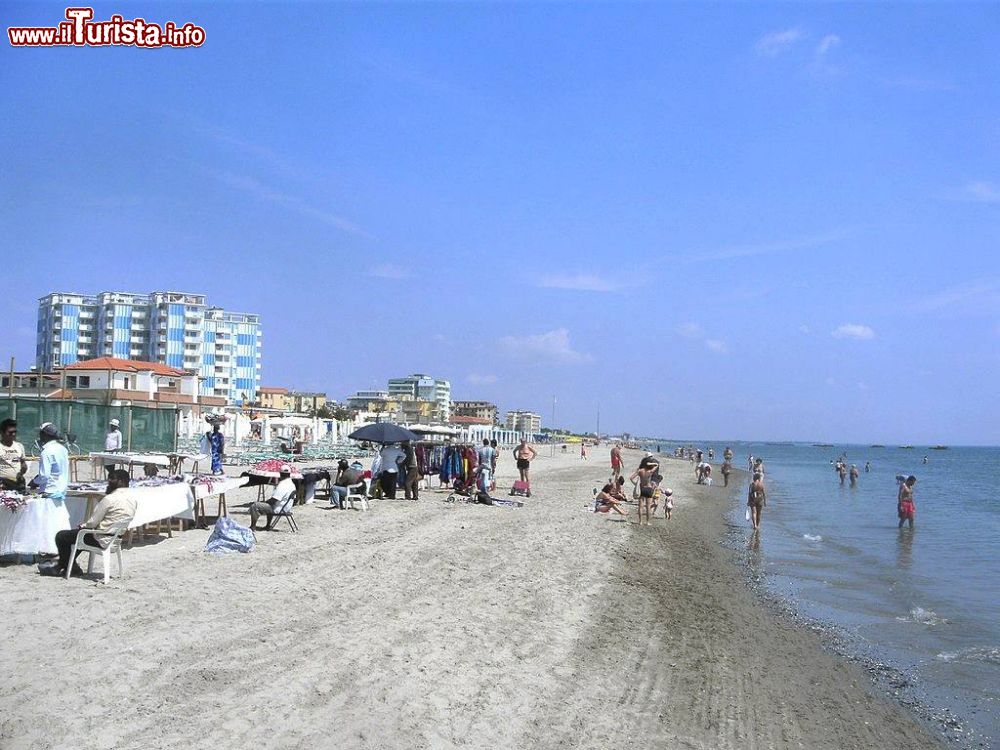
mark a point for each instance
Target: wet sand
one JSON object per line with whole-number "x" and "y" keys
{"x": 433, "y": 625}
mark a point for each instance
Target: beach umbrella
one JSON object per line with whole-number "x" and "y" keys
{"x": 383, "y": 432}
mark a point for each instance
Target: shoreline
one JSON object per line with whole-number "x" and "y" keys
{"x": 432, "y": 624}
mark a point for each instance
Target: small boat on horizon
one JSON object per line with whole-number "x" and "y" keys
{"x": 906, "y": 447}
{"x": 877, "y": 445}
{"x": 822, "y": 445}
{"x": 939, "y": 447}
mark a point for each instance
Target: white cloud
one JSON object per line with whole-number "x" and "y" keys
{"x": 805, "y": 329}
{"x": 773, "y": 44}
{"x": 388, "y": 271}
{"x": 826, "y": 44}
{"x": 980, "y": 191}
{"x": 716, "y": 345}
{"x": 918, "y": 84}
{"x": 584, "y": 282}
{"x": 690, "y": 330}
{"x": 477, "y": 379}
{"x": 552, "y": 346}
{"x": 853, "y": 331}
{"x": 265, "y": 193}
{"x": 767, "y": 248}
{"x": 979, "y": 297}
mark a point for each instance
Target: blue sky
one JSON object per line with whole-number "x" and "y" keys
{"x": 761, "y": 222}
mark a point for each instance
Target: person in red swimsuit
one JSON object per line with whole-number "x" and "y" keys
{"x": 616, "y": 461}
{"x": 904, "y": 503}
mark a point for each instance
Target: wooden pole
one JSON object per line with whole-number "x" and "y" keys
{"x": 10, "y": 391}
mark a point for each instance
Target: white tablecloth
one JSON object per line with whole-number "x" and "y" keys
{"x": 32, "y": 528}
{"x": 129, "y": 459}
{"x": 223, "y": 485}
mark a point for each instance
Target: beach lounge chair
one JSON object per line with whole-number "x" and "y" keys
{"x": 115, "y": 548}
{"x": 357, "y": 493}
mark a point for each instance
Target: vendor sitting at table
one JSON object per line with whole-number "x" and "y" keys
{"x": 345, "y": 479}
{"x": 12, "y": 464}
{"x": 282, "y": 499}
{"x": 116, "y": 508}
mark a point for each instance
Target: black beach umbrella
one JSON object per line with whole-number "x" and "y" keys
{"x": 383, "y": 432}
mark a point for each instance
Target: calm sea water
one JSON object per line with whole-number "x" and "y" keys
{"x": 926, "y": 601}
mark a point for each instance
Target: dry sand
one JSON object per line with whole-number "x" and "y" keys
{"x": 431, "y": 625}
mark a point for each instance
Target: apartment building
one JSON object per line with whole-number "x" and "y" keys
{"x": 524, "y": 421}
{"x": 481, "y": 410}
{"x": 176, "y": 329}
{"x": 420, "y": 387}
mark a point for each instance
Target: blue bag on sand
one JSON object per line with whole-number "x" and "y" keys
{"x": 229, "y": 536}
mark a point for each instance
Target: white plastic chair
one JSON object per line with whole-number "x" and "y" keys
{"x": 356, "y": 493}
{"x": 114, "y": 547}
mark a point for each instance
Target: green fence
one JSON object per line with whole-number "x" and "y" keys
{"x": 142, "y": 429}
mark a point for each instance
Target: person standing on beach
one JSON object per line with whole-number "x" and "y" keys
{"x": 842, "y": 472}
{"x": 727, "y": 468}
{"x": 905, "y": 507}
{"x": 644, "y": 474}
{"x": 13, "y": 467}
{"x": 727, "y": 454}
{"x": 214, "y": 444}
{"x": 112, "y": 442}
{"x": 524, "y": 454}
{"x": 583, "y": 451}
{"x": 493, "y": 466}
{"x": 616, "y": 461}
{"x": 391, "y": 457}
{"x": 756, "y": 499}
{"x": 854, "y": 475}
{"x": 411, "y": 478}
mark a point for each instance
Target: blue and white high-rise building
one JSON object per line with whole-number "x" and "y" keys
{"x": 174, "y": 328}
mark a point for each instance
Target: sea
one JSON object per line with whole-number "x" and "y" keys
{"x": 926, "y": 602}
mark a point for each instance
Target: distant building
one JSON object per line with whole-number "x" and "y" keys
{"x": 269, "y": 397}
{"x": 116, "y": 382}
{"x": 479, "y": 409}
{"x": 361, "y": 399}
{"x": 524, "y": 421}
{"x": 424, "y": 388}
{"x": 304, "y": 402}
{"x": 176, "y": 329}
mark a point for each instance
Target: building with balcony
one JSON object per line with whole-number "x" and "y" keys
{"x": 423, "y": 388}
{"x": 479, "y": 409}
{"x": 175, "y": 329}
{"x": 269, "y": 397}
{"x": 524, "y": 421}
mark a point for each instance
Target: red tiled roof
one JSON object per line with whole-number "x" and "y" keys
{"x": 270, "y": 389}
{"x": 125, "y": 365}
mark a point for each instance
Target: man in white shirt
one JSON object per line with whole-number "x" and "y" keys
{"x": 391, "y": 456}
{"x": 53, "y": 464}
{"x": 12, "y": 464}
{"x": 112, "y": 442}
{"x": 282, "y": 499}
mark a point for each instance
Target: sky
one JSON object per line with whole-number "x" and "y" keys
{"x": 767, "y": 222}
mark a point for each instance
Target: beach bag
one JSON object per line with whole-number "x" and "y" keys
{"x": 229, "y": 536}
{"x": 748, "y": 514}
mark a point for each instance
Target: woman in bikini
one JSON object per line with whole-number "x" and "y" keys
{"x": 644, "y": 474}
{"x": 905, "y": 507}
{"x": 756, "y": 499}
{"x": 607, "y": 500}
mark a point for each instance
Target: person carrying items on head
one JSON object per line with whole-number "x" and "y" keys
{"x": 282, "y": 499}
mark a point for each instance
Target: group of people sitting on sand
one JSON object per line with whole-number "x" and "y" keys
{"x": 646, "y": 489}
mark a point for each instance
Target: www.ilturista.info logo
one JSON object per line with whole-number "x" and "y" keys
{"x": 79, "y": 30}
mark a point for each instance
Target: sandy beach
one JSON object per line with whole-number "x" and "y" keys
{"x": 435, "y": 625}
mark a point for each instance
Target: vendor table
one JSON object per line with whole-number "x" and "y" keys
{"x": 207, "y": 486}
{"x": 31, "y": 529}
